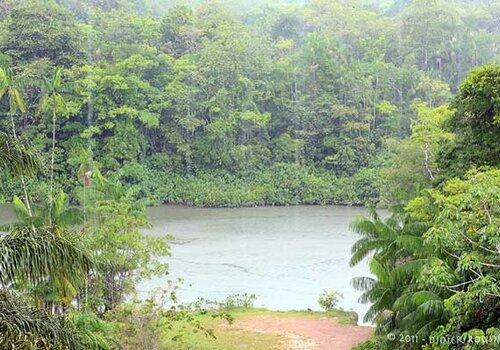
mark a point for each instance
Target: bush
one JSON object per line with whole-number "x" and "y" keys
{"x": 328, "y": 300}
{"x": 279, "y": 184}
{"x": 372, "y": 344}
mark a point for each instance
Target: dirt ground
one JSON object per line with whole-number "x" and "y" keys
{"x": 307, "y": 333}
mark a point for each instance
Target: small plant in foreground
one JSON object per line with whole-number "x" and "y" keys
{"x": 328, "y": 300}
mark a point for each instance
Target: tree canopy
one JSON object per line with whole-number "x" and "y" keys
{"x": 176, "y": 94}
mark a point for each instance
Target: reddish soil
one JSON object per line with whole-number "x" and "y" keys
{"x": 307, "y": 333}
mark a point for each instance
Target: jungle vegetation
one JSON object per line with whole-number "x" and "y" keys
{"x": 436, "y": 260}
{"x": 229, "y": 103}
{"x": 108, "y": 106}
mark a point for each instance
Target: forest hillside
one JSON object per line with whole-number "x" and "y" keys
{"x": 229, "y": 103}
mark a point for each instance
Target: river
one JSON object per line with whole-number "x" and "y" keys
{"x": 284, "y": 255}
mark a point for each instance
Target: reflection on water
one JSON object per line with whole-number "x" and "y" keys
{"x": 285, "y": 255}
{"x": 7, "y": 215}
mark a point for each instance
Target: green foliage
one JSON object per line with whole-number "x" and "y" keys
{"x": 475, "y": 123}
{"x": 122, "y": 254}
{"x": 413, "y": 163}
{"x": 98, "y": 334}
{"x": 372, "y": 344}
{"x": 276, "y": 105}
{"x": 17, "y": 158}
{"x": 237, "y": 301}
{"x": 204, "y": 89}
{"x": 9, "y": 88}
{"x": 58, "y": 214}
{"x": 179, "y": 32}
{"x": 280, "y": 184}
{"x": 30, "y": 255}
{"x": 24, "y": 327}
{"x": 148, "y": 324}
{"x": 388, "y": 239}
{"x": 42, "y": 29}
{"x": 328, "y": 300}
{"x": 438, "y": 288}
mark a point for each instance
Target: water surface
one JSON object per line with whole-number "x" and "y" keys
{"x": 285, "y": 255}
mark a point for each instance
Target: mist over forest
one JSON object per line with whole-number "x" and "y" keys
{"x": 226, "y": 103}
{"x": 110, "y": 107}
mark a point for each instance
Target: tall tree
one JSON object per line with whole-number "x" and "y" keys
{"x": 476, "y": 123}
{"x": 52, "y": 101}
{"x": 9, "y": 88}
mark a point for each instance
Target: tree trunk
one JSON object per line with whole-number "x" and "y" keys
{"x": 427, "y": 161}
{"x": 51, "y": 198}
{"x": 23, "y": 183}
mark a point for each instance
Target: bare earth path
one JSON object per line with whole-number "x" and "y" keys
{"x": 307, "y": 333}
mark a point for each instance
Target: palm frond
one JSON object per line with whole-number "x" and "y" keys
{"x": 57, "y": 78}
{"x": 16, "y": 101}
{"x": 363, "y": 283}
{"x": 432, "y": 308}
{"x": 380, "y": 271}
{"x": 52, "y": 95}
{"x": 8, "y": 86}
{"x": 362, "y": 248}
{"x": 420, "y": 297}
{"x": 408, "y": 270}
{"x": 23, "y": 327}
{"x": 410, "y": 243}
{"x": 364, "y": 226}
{"x": 20, "y": 208}
{"x": 422, "y": 309}
{"x": 17, "y": 157}
{"x": 31, "y": 256}
{"x": 427, "y": 328}
{"x": 372, "y": 312}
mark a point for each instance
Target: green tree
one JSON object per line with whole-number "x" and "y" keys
{"x": 179, "y": 32}
{"x": 463, "y": 233}
{"x": 52, "y": 101}
{"x": 24, "y": 327}
{"x": 16, "y": 102}
{"x": 9, "y": 88}
{"x": 413, "y": 163}
{"x": 475, "y": 123}
{"x": 389, "y": 239}
{"x": 42, "y": 29}
{"x": 122, "y": 254}
{"x": 31, "y": 256}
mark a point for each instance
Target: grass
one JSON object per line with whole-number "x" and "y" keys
{"x": 343, "y": 317}
{"x": 228, "y": 338}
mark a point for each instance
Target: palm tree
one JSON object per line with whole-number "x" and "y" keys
{"x": 419, "y": 313}
{"x": 61, "y": 288}
{"x": 388, "y": 239}
{"x": 386, "y": 288}
{"x": 16, "y": 100}
{"x": 23, "y": 327}
{"x": 53, "y": 101}
{"x": 31, "y": 257}
{"x": 34, "y": 257}
{"x": 62, "y": 215}
{"x": 16, "y": 157}
{"x": 16, "y": 103}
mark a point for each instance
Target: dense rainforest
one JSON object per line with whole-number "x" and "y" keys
{"x": 108, "y": 106}
{"x": 436, "y": 260}
{"x": 238, "y": 102}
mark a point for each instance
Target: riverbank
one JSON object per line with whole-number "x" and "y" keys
{"x": 279, "y": 185}
{"x": 261, "y": 329}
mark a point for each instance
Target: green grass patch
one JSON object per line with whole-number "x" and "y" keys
{"x": 343, "y": 317}
{"x": 231, "y": 338}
